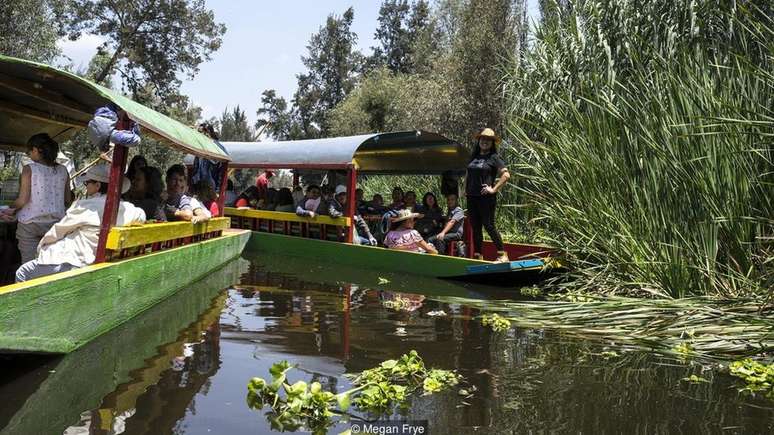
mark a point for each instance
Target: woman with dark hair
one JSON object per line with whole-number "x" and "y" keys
{"x": 431, "y": 216}
{"x": 145, "y": 192}
{"x": 203, "y": 192}
{"x": 486, "y": 175}
{"x": 136, "y": 163}
{"x": 248, "y": 198}
{"x": 285, "y": 201}
{"x": 44, "y": 193}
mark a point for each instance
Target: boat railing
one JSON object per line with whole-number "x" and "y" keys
{"x": 320, "y": 226}
{"x": 131, "y": 241}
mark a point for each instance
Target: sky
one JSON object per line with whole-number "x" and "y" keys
{"x": 261, "y": 49}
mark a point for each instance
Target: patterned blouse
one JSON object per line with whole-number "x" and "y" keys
{"x": 407, "y": 240}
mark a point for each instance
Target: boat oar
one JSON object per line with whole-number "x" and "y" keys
{"x": 106, "y": 156}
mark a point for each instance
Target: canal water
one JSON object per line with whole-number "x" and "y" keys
{"x": 182, "y": 367}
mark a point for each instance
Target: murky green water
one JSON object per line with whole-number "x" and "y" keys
{"x": 182, "y": 367}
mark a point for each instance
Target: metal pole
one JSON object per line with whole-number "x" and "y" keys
{"x": 120, "y": 154}
{"x": 223, "y": 183}
{"x": 351, "y": 206}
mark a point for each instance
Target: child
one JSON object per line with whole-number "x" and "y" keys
{"x": 103, "y": 128}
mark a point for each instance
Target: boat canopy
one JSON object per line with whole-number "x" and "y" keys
{"x": 407, "y": 152}
{"x": 37, "y": 98}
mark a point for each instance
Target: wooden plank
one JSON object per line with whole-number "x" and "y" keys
{"x": 7, "y": 106}
{"x": 59, "y": 313}
{"x": 141, "y": 235}
{"x": 287, "y": 217}
{"x": 41, "y": 93}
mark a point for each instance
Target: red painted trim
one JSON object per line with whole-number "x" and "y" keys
{"x": 468, "y": 234}
{"x": 350, "y": 213}
{"x": 222, "y": 193}
{"x": 111, "y": 202}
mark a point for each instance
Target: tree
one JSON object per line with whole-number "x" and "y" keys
{"x": 234, "y": 126}
{"x": 29, "y": 29}
{"x": 150, "y": 41}
{"x": 401, "y": 27}
{"x": 333, "y": 67}
{"x": 276, "y": 118}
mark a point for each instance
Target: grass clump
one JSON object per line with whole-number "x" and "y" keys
{"x": 641, "y": 136}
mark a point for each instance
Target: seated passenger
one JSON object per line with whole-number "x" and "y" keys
{"x": 248, "y": 198}
{"x": 312, "y": 204}
{"x": 337, "y": 209}
{"x": 135, "y": 164}
{"x": 360, "y": 203}
{"x": 44, "y": 194}
{"x": 178, "y": 205}
{"x": 298, "y": 194}
{"x": 202, "y": 191}
{"x": 404, "y": 237}
{"x": 376, "y": 206}
{"x": 431, "y": 217}
{"x": 397, "y": 199}
{"x": 285, "y": 201}
{"x": 271, "y": 199}
{"x": 72, "y": 242}
{"x": 145, "y": 192}
{"x": 452, "y": 231}
{"x": 231, "y": 195}
{"x": 410, "y": 200}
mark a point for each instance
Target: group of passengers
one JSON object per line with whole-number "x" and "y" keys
{"x": 56, "y": 234}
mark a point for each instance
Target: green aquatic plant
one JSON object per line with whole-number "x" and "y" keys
{"x": 694, "y": 379}
{"x": 377, "y": 391}
{"x": 758, "y": 376}
{"x": 532, "y": 291}
{"x": 496, "y": 322}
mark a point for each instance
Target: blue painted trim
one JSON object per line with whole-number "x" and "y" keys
{"x": 504, "y": 267}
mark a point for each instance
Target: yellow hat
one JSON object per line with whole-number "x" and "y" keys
{"x": 488, "y": 133}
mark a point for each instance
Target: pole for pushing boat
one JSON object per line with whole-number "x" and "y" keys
{"x": 113, "y": 197}
{"x": 351, "y": 186}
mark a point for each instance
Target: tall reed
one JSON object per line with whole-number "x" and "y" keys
{"x": 642, "y": 135}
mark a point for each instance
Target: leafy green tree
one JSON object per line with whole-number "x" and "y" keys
{"x": 332, "y": 66}
{"x": 276, "y": 118}
{"x": 150, "y": 41}
{"x": 29, "y": 29}
{"x": 400, "y": 27}
{"x": 235, "y": 127}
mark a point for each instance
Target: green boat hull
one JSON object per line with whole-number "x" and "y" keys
{"x": 127, "y": 359}
{"x": 374, "y": 258}
{"x": 63, "y": 313}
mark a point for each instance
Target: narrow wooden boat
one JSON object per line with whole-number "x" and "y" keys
{"x": 136, "y": 266}
{"x": 410, "y": 152}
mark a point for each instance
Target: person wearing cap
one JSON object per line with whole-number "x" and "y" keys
{"x": 336, "y": 209}
{"x": 404, "y": 237}
{"x": 486, "y": 175}
{"x": 262, "y": 183}
{"x": 178, "y": 205}
{"x": 72, "y": 242}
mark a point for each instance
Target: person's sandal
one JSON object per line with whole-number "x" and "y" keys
{"x": 502, "y": 257}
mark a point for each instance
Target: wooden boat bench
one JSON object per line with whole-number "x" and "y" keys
{"x": 131, "y": 241}
{"x": 320, "y": 227}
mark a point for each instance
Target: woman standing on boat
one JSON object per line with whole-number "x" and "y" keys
{"x": 486, "y": 175}
{"x": 44, "y": 193}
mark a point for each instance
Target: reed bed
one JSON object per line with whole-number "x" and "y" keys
{"x": 642, "y": 137}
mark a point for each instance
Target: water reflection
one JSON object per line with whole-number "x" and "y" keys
{"x": 146, "y": 379}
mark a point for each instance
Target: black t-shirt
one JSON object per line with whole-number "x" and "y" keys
{"x": 482, "y": 170}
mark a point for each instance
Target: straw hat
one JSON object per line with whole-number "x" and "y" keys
{"x": 101, "y": 173}
{"x": 488, "y": 133}
{"x": 404, "y": 215}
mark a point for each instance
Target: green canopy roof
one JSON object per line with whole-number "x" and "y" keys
{"x": 37, "y": 98}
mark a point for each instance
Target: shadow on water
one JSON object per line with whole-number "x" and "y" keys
{"x": 183, "y": 366}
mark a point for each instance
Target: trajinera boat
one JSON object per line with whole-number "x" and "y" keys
{"x": 136, "y": 266}
{"x": 346, "y": 158}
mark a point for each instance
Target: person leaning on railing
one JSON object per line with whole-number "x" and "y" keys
{"x": 336, "y": 210}
{"x": 72, "y": 242}
{"x": 178, "y": 205}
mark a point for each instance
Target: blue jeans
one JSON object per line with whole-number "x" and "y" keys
{"x": 32, "y": 269}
